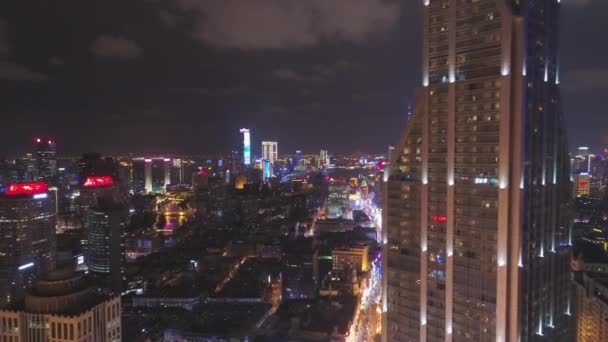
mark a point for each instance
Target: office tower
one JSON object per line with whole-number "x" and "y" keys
{"x": 103, "y": 253}
{"x": 151, "y": 175}
{"x": 270, "y": 151}
{"x": 246, "y": 146}
{"x": 167, "y": 171}
{"x": 200, "y": 190}
{"x": 27, "y": 246}
{"x": 582, "y": 160}
{"x": 337, "y": 201}
{"x": 583, "y": 151}
{"x": 582, "y": 184}
{"x": 478, "y": 237}
{"x": 63, "y": 307}
{"x": 45, "y": 156}
{"x": 597, "y": 171}
{"x": 266, "y": 169}
{"x": 323, "y": 159}
{"x": 96, "y": 188}
{"x": 92, "y": 164}
{"x": 391, "y": 151}
{"x": 148, "y": 175}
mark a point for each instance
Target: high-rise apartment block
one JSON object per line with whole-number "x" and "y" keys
{"x": 478, "y": 235}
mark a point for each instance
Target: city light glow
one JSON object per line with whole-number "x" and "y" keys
{"x": 27, "y": 188}
{"x": 98, "y": 181}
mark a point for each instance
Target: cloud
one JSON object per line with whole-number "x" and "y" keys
{"x": 115, "y": 47}
{"x": 281, "y": 24}
{"x": 315, "y": 73}
{"x": 585, "y": 79}
{"x": 16, "y": 72}
{"x": 288, "y": 74}
{"x": 577, "y": 2}
{"x": 168, "y": 18}
{"x": 56, "y": 61}
{"x": 3, "y": 39}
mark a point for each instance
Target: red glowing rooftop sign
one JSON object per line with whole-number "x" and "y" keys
{"x": 96, "y": 181}
{"x": 440, "y": 218}
{"x": 28, "y": 188}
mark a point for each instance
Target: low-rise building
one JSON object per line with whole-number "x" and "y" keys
{"x": 352, "y": 257}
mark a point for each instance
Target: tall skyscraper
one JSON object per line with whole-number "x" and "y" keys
{"x": 323, "y": 159}
{"x": 270, "y": 151}
{"x": 27, "y": 243}
{"x": 478, "y": 238}
{"x": 104, "y": 224}
{"x": 45, "y": 156}
{"x": 391, "y": 150}
{"x": 151, "y": 174}
{"x": 246, "y": 146}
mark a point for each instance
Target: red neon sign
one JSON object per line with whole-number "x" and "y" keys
{"x": 96, "y": 181}
{"x": 440, "y": 218}
{"x": 28, "y": 188}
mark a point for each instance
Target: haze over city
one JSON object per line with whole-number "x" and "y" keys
{"x": 161, "y": 77}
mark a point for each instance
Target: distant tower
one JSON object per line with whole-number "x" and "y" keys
{"x": 270, "y": 151}
{"x": 246, "y": 146}
{"x": 167, "y": 169}
{"x": 391, "y": 149}
{"x": 409, "y": 112}
{"x": 46, "y": 159}
{"x": 269, "y": 157}
{"x": 323, "y": 159}
{"x": 148, "y": 175}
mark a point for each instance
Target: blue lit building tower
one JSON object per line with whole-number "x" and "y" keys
{"x": 246, "y": 147}
{"x": 478, "y": 237}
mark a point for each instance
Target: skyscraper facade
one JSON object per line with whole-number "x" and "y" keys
{"x": 478, "y": 240}
{"x": 246, "y": 146}
{"x": 104, "y": 224}
{"x": 27, "y": 243}
{"x": 270, "y": 151}
{"x": 45, "y": 156}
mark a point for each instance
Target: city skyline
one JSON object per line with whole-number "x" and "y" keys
{"x": 193, "y": 94}
{"x": 304, "y": 170}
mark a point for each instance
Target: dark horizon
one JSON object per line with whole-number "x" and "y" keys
{"x": 177, "y": 83}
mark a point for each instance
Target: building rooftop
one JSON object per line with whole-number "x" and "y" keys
{"x": 61, "y": 292}
{"x": 223, "y": 319}
{"x": 320, "y": 315}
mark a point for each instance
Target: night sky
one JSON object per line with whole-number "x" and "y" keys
{"x": 182, "y": 76}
